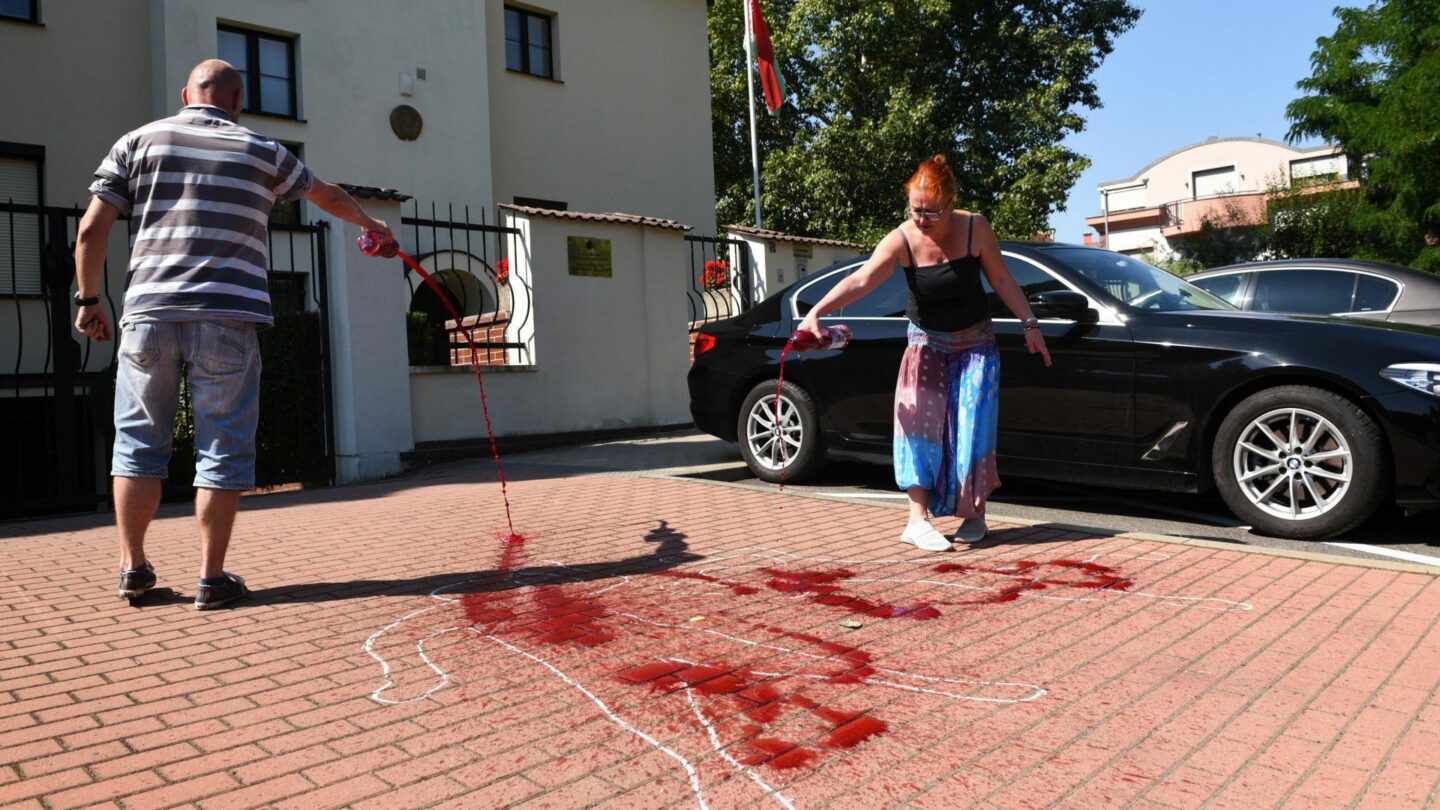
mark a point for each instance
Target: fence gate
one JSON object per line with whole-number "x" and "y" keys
{"x": 720, "y": 283}
{"x": 57, "y": 389}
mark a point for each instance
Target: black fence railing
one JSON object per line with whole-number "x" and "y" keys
{"x": 719, "y": 278}
{"x": 468, "y": 256}
{"x": 57, "y": 389}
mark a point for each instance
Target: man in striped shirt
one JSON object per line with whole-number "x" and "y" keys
{"x": 199, "y": 188}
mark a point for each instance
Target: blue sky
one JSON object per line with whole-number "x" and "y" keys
{"x": 1189, "y": 70}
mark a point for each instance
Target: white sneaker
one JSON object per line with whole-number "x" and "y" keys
{"x": 973, "y": 530}
{"x": 924, "y": 536}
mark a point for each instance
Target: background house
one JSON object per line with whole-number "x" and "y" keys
{"x": 462, "y": 106}
{"x": 1224, "y": 179}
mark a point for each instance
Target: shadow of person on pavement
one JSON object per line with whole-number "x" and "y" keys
{"x": 668, "y": 550}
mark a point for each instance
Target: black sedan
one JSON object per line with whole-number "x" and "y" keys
{"x": 1343, "y": 287}
{"x": 1304, "y": 424}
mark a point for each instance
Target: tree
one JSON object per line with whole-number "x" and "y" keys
{"x": 1373, "y": 91}
{"x": 1328, "y": 222}
{"x": 878, "y": 85}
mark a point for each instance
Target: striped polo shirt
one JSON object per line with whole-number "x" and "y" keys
{"x": 199, "y": 188}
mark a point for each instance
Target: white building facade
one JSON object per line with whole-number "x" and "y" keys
{"x": 467, "y": 104}
{"x": 1157, "y": 208}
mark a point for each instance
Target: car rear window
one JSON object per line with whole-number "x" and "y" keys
{"x": 1374, "y": 294}
{"x": 1227, "y": 287}
{"x": 1316, "y": 292}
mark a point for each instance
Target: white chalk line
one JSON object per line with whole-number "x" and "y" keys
{"x": 720, "y": 749}
{"x": 611, "y": 716}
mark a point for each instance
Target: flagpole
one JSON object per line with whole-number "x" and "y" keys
{"x": 750, "y": 98}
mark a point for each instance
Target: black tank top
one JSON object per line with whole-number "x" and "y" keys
{"x": 946, "y": 297}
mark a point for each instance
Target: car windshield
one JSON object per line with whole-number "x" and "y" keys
{"x": 1136, "y": 283}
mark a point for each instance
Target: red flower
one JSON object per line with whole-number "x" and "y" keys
{"x": 715, "y": 275}
{"x": 502, "y": 271}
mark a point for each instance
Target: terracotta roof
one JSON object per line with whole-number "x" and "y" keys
{"x": 586, "y": 216}
{"x": 777, "y": 236}
{"x": 374, "y": 192}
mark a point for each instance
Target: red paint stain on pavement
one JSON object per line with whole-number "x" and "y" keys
{"x": 735, "y": 587}
{"x": 778, "y": 754}
{"x": 512, "y": 550}
{"x": 853, "y": 732}
{"x": 821, "y": 587}
{"x": 1099, "y": 577}
{"x": 563, "y": 617}
{"x": 487, "y": 608}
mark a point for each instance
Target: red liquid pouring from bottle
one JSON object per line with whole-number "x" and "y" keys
{"x": 831, "y": 337}
{"x": 372, "y": 243}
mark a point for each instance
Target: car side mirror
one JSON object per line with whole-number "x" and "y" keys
{"x": 1066, "y": 304}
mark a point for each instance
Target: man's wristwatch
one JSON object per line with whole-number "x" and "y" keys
{"x": 86, "y": 302}
{"x": 1031, "y": 322}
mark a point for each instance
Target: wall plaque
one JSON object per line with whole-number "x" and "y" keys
{"x": 406, "y": 123}
{"x": 588, "y": 256}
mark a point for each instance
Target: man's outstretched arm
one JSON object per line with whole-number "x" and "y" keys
{"x": 335, "y": 201}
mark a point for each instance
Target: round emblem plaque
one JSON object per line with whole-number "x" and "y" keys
{"x": 405, "y": 122}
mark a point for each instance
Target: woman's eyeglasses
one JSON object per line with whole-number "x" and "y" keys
{"x": 923, "y": 213}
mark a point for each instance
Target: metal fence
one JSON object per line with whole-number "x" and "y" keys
{"x": 719, "y": 278}
{"x": 469, "y": 259}
{"x": 57, "y": 388}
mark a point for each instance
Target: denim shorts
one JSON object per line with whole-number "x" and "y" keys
{"x": 221, "y": 360}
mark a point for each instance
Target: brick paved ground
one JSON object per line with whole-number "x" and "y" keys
{"x": 660, "y": 642}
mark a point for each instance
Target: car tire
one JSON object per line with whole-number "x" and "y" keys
{"x": 755, "y": 430}
{"x": 1300, "y": 462}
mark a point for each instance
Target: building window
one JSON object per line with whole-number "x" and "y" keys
{"x": 1212, "y": 182}
{"x": 1315, "y": 171}
{"x": 528, "y": 42}
{"x": 26, "y": 10}
{"x": 267, "y": 64}
{"x": 19, "y": 231}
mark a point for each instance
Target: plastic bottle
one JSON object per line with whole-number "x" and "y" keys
{"x": 373, "y": 243}
{"x": 831, "y": 337}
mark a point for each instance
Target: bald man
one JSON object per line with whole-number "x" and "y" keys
{"x": 198, "y": 188}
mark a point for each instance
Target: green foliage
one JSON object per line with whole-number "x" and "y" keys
{"x": 1373, "y": 91}
{"x": 878, "y": 85}
{"x": 1174, "y": 263}
{"x": 1320, "y": 223}
{"x": 428, "y": 342}
{"x": 1226, "y": 237}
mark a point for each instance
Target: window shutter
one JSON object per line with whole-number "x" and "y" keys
{"x": 19, "y": 233}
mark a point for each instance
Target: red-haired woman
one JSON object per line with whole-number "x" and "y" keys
{"x": 947, "y": 394}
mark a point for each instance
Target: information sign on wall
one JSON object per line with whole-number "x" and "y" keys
{"x": 588, "y": 256}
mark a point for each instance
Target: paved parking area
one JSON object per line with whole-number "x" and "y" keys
{"x": 656, "y": 642}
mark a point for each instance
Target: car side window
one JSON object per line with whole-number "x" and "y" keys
{"x": 1030, "y": 278}
{"x": 886, "y": 301}
{"x": 1227, "y": 287}
{"x": 1316, "y": 292}
{"x": 808, "y": 297}
{"x": 1375, "y": 294}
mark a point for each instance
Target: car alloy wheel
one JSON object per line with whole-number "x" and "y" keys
{"x": 774, "y": 432}
{"x": 1293, "y": 463}
{"x": 780, "y": 440}
{"x": 1301, "y": 462}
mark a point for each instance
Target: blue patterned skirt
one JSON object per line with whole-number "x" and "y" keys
{"x": 947, "y": 403}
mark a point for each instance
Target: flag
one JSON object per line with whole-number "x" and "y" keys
{"x": 770, "y": 78}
